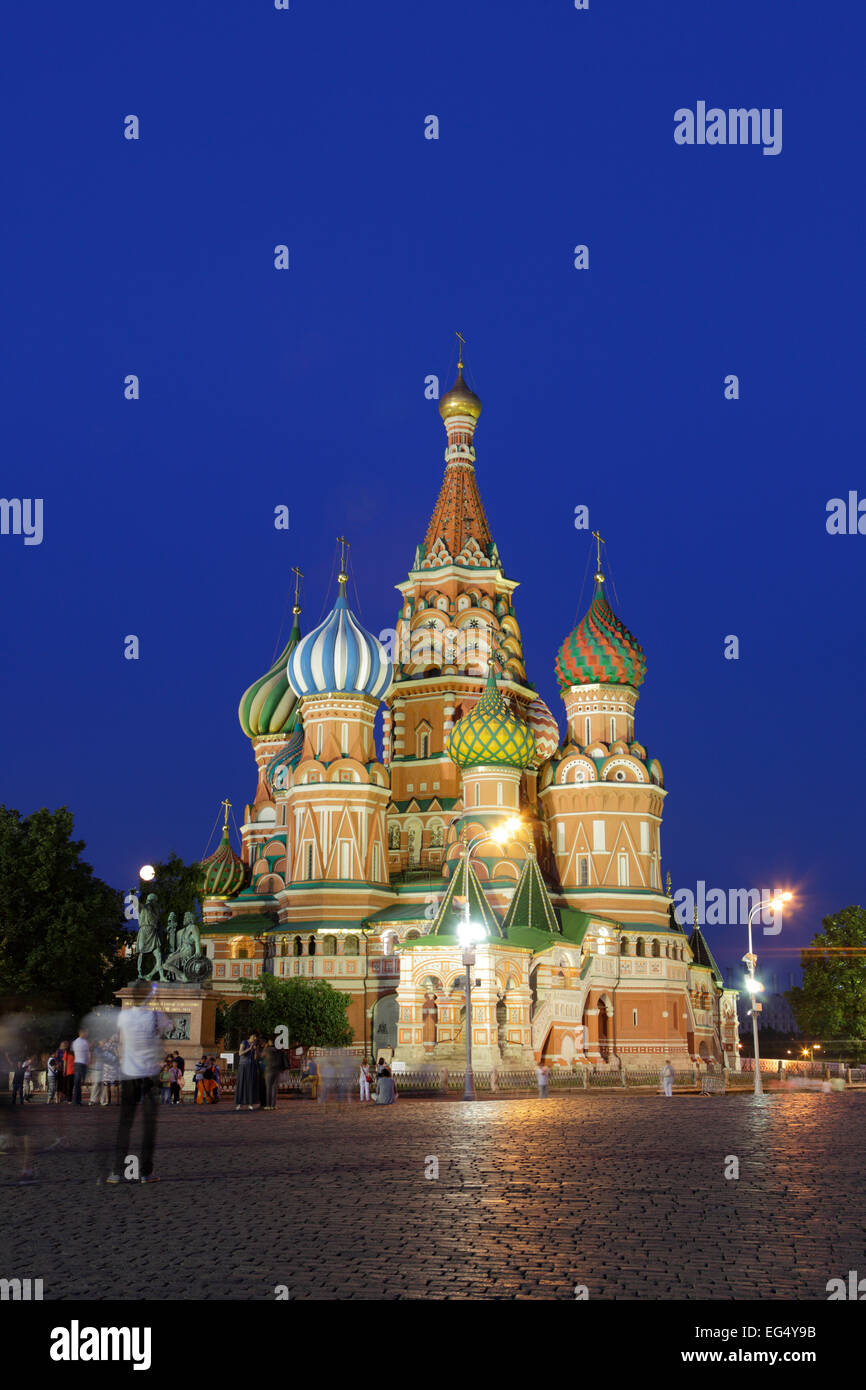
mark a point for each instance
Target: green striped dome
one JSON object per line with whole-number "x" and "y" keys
{"x": 491, "y": 734}
{"x": 266, "y": 708}
{"x": 223, "y": 873}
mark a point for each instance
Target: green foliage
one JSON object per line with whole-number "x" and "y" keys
{"x": 832, "y": 1000}
{"x": 60, "y": 926}
{"x": 313, "y": 1012}
{"x": 176, "y": 886}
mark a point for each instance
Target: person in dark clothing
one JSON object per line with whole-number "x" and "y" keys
{"x": 273, "y": 1066}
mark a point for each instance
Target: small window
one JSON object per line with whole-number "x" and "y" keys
{"x": 477, "y": 793}
{"x": 311, "y": 946}
{"x": 320, "y": 734}
{"x": 583, "y": 871}
{"x": 345, "y": 850}
{"x": 613, "y": 730}
{"x": 622, "y": 870}
{"x": 344, "y": 740}
{"x": 498, "y": 793}
{"x": 560, "y": 838}
{"x": 634, "y": 1018}
{"x": 308, "y": 853}
{"x": 587, "y": 730}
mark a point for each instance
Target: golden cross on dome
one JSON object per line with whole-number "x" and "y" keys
{"x": 227, "y": 805}
{"x": 344, "y": 546}
{"x": 460, "y": 352}
{"x": 599, "y": 542}
{"x": 298, "y": 577}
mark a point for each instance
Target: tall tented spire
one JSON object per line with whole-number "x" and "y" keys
{"x": 462, "y": 884}
{"x": 458, "y": 532}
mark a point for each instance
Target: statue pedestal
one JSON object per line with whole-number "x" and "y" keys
{"x": 191, "y": 1010}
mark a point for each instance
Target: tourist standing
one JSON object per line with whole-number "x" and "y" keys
{"x": 51, "y": 1079}
{"x": 165, "y": 1082}
{"x": 668, "y": 1077}
{"x": 80, "y": 1063}
{"x": 364, "y": 1079}
{"x": 247, "y": 1086}
{"x": 96, "y": 1085}
{"x": 273, "y": 1066}
{"x": 543, "y": 1074}
{"x": 386, "y": 1091}
{"x": 69, "y": 1074}
{"x": 175, "y": 1076}
{"x": 61, "y": 1070}
{"x": 140, "y": 1048}
{"x": 109, "y": 1069}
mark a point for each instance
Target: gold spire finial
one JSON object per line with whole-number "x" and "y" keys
{"x": 460, "y": 352}
{"x": 599, "y": 542}
{"x": 696, "y": 916}
{"x": 298, "y": 577}
{"x": 227, "y": 804}
{"x": 668, "y": 885}
{"x": 343, "y": 576}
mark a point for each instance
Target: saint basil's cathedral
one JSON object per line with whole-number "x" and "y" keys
{"x": 354, "y": 867}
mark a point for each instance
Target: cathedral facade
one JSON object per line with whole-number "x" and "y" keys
{"x": 359, "y": 869}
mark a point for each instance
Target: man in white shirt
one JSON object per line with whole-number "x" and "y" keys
{"x": 81, "y": 1053}
{"x": 141, "y": 1051}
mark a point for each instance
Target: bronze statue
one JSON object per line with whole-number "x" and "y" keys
{"x": 148, "y": 940}
{"x": 188, "y": 962}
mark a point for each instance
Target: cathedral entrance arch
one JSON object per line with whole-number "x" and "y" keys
{"x": 384, "y": 1024}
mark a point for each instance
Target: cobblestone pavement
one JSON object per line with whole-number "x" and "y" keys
{"x": 625, "y": 1194}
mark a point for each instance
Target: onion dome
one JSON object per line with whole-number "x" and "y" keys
{"x": 491, "y": 734}
{"x": 266, "y": 708}
{"x": 545, "y": 729}
{"x": 222, "y": 873}
{"x": 459, "y": 400}
{"x": 600, "y": 650}
{"x": 340, "y": 657}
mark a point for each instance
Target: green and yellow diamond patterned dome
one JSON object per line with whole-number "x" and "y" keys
{"x": 491, "y": 734}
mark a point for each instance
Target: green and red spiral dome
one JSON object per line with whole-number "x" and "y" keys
{"x": 600, "y": 650}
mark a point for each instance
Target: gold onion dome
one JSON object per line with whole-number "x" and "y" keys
{"x": 459, "y": 400}
{"x": 491, "y": 735}
{"x": 222, "y": 873}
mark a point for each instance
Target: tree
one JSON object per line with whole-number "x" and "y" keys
{"x": 312, "y": 1012}
{"x": 61, "y": 928}
{"x": 177, "y": 886}
{"x": 832, "y": 1000}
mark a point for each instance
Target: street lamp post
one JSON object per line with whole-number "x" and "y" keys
{"x": 754, "y": 986}
{"x": 468, "y": 934}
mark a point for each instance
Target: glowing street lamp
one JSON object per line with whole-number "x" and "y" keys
{"x": 754, "y": 986}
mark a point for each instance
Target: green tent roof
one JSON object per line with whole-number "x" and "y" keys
{"x": 449, "y": 916}
{"x": 703, "y": 955}
{"x": 530, "y": 906}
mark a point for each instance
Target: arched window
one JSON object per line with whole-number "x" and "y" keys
{"x": 411, "y": 935}
{"x": 344, "y": 740}
{"x": 424, "y": 746}
{"x": 297, "y": 947}
{"x": 311, "y": 946}
{"x": 613, "y": 730}
{"x": 284, "y": 946}
{"x": 498, "y": 793}
{"x": 587, "y": 730}
{"x": 350, "y": 946}
{"x": 329, "y": 946}
{"x": 639, "y": 947}
{"x": 320, "y": 734}
{"x": 656, "y": 949}
{"x": 583, "y": 871}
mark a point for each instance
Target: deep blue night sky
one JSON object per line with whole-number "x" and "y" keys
{"x": 306, "y": 387}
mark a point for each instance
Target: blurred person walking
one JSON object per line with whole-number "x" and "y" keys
{"x": 668, "y": 1078}
{"x": 364, "y": 1079}
{"x": 140, "y": 1051}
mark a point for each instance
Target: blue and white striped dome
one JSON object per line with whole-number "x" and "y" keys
{"x": 339, "y": 657}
